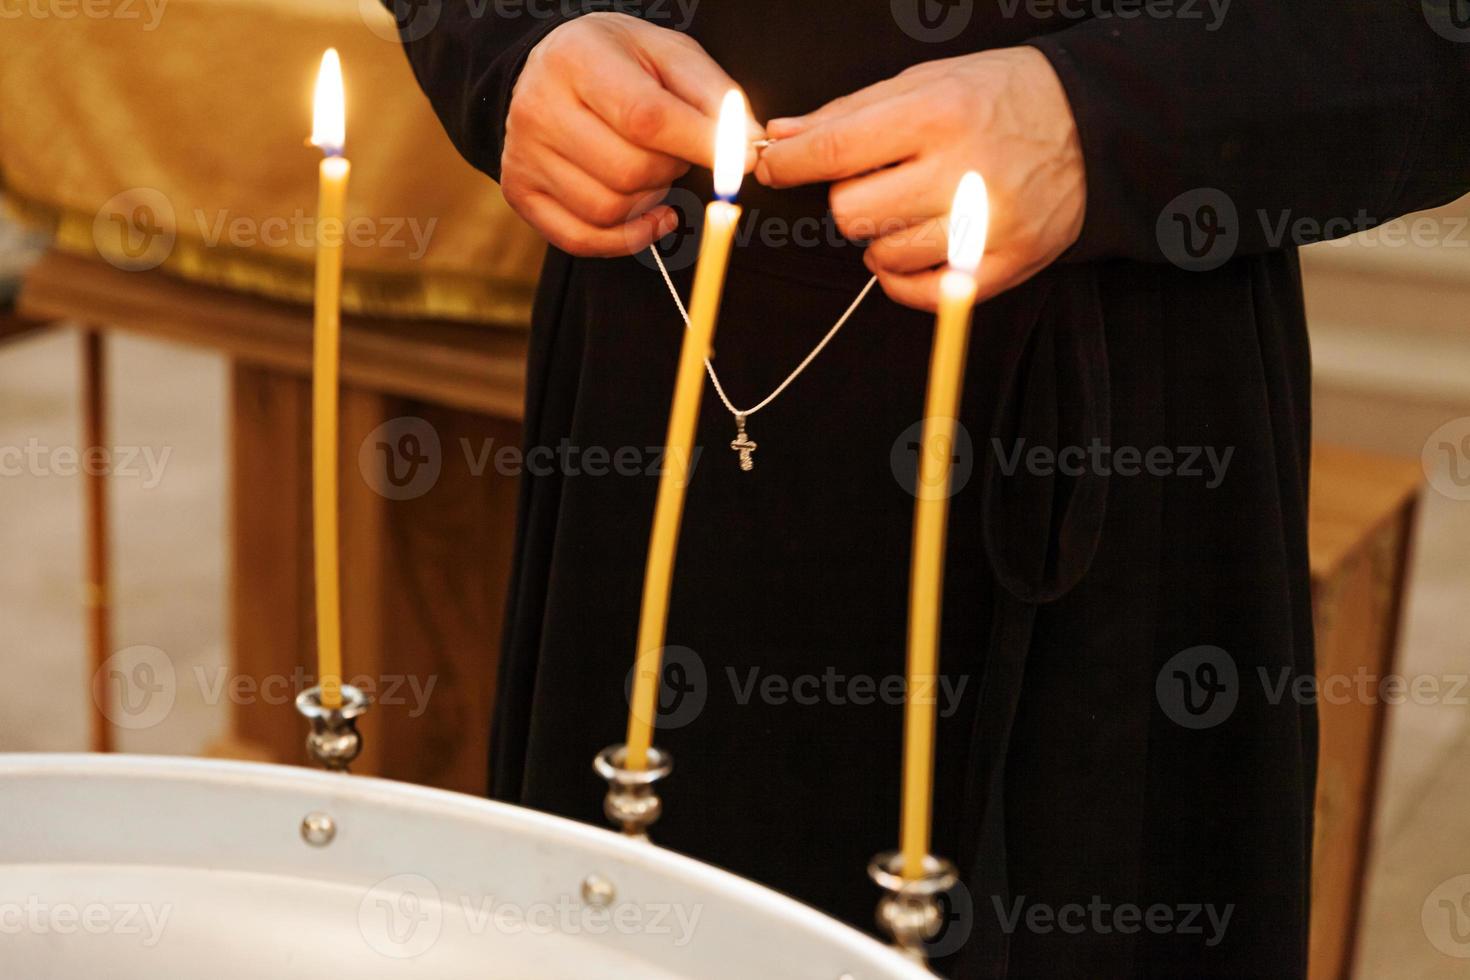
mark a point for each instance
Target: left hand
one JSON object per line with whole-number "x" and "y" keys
{"x": 895, "y": 152}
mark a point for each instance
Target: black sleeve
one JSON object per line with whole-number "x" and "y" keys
{"x": 467, "y": 56}
{"x": 1294, "y": 114}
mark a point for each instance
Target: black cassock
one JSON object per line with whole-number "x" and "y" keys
{"x": 1120, "y": 775}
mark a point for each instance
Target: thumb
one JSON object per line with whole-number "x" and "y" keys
{"x": 688, "y": 71}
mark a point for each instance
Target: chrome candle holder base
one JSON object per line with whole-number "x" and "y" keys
{"x": 631, "y": 803}
{"x": 909, "y": 913}
{"x": 334, "y": 740}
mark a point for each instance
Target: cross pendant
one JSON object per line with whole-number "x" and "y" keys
{"x": 743, "y": 445}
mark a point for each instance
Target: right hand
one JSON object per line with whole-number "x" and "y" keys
{"x": 608, "y": 112}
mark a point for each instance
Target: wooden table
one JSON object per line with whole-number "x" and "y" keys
{"x": 13, "y": 325}
{"x": 1362, "y": 525}
{"x": 424, "y": 579}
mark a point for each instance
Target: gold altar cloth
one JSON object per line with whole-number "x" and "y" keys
{"x": 171, "y": 133}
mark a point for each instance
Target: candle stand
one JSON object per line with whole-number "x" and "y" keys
{"x": 631, "y": 803}
{"x": 334, "y": 740}
{"x": 909, "y": 913}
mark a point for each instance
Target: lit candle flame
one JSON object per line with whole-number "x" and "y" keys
{"x": 329, "y": 120}
{"x": 969, "y": 223}
{"x": 730, "y": 146}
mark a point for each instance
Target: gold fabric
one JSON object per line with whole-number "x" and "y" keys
{"x": 173, "y": 132}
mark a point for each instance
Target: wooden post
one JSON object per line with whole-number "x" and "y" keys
{"x": 98, "y": 570}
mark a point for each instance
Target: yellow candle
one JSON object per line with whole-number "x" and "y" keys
{"x": 720, "y": 221}
{"x": 328, "y": 132}
{"x": 968, "y": 222}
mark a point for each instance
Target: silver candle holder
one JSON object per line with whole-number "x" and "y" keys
{"x": 631, "y": 803}
{"x": 909, "y": 912}
{"x": 334, "y": 740}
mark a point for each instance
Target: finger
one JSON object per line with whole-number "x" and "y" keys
{"x": 916, "y": 249}
{"x": 785, "y": 127}
{"x": 855, "y": 144}
{"x": 920, "y": 291}
{"x": 586, "y": 197}
{"x": 999, "y": 272}
{"x": 691, "y": 74}
{"x": 561, "y": 122}
{"x": 630, "y": 100}
{"x": 889, "y": 200}
{"x": 580, "y": 135}
{"x": 688, "y": 72}
{"x": 571, "y": 234}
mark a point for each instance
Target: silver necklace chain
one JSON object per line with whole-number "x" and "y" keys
{"x": 742, "y": 444}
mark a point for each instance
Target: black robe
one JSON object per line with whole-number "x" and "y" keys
{"x": 1116, "y": 762}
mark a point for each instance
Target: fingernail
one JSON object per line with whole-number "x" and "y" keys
{"x": 762, "y": 172}
{"x": 787, "y": 126}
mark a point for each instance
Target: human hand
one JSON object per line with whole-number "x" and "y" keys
{"x": 607, "y": 113}
{"x": 895, "y": 152}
